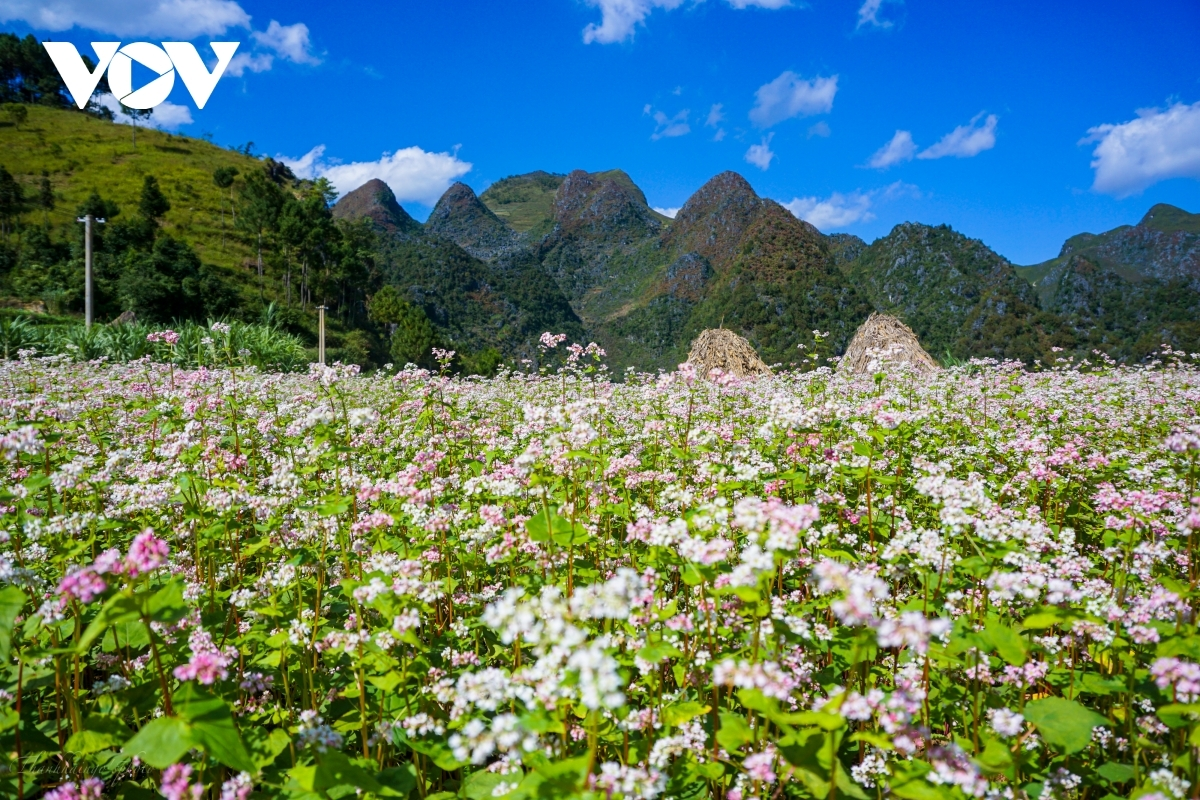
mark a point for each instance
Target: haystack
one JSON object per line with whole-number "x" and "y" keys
{"x": 722, "y": 349}
{"x": 884, "y": 340}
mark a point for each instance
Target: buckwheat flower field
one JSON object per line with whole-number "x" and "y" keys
{"x": 230, "y": 584}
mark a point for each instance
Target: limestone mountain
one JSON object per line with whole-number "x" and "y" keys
{"x": 958, "y": 295}
{"x": 773, "y": 278}
{"x": 524, "y": 202}
{"x": 460, "y": 217}
{"x": 644, "y": 285}
{"x": 1129, "y": 319}
{"x": 1163, "y": 246}
{"x": 376, "y": 202}
{"x": 1129, "y": 290}
{"x": 472, "y": 304}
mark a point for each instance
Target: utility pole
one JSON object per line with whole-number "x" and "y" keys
{"x": 87, "y": 221}
{"x": 321, "y": 335}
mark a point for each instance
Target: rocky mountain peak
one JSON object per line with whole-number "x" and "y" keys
{"x": 714, "y": 219}
{"x": 607, "y": 204}
{"x": 461, "y": 217}
{"x": 376, "y": 201}
{"x": 1170, "y": 219}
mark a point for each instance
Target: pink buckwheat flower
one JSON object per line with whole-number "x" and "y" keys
{"x": 147, "y": 553}
{"x": 88, "y": 789}
{"x": 177, "y": 783}
{"x": 83, "y": 585}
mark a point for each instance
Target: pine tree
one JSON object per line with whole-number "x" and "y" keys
{"x": 12, "y": 200}
{"x": 414, "y": 338}
{"x": 153, "y": 203}
{"x": 45, "y": 198}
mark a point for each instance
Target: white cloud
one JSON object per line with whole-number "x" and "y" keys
{"x": 965, "y": 140}
{"x": 619, "y": 18}
{"x": 715, "y": 115}
{"x": 289, "y": 41}
{"x": 760, "y": 155}
{"x": 243, "y": 62}
{"x": 789, "y": 96}
{"x": 820, "y": 129}
{"x": 177, "y": 19}
{"x": 1158, "y": 145}
{"x": 668, "y": 127}
{"x": 842, "y": 210}
{"x": 173, "y": 19}
{"x": 869, "y": 13}
{"x": 719, "y": 135}
{"x": 167, "y": 116}
{"x": 310, "y": 165}
{"x": 900, "y": 148}
{"x": 836, "y": 211}
{"x": 413, "y": 174}
{"x": 668, "y": 212}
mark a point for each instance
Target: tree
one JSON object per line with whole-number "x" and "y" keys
{"x": 262, "y": 201}
{"x": 278, "y": 172}
{"x": 386, "y": 307}
{"x": 223, "y": 177}
{"x": 168, "y": 282}
{"x": 12, "y": 200}
{"x": 98, "y": 207}
{"x": 28, "y": 74}
{"x": 414, "y": 338}
{"x": 307, "y": 232}
{"x": 17, "y": 112}
{"x": 45, "y": 198}
{"x": 136, "y": 115}
{"x": 153, "y": 203}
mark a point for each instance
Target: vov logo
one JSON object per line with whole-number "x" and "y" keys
{"x": 167, "y": 60}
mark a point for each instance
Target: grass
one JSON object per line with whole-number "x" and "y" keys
{"x": 84, "y": 154}
{"x": 523, "y": 201}
{"x": 526, "y": 202}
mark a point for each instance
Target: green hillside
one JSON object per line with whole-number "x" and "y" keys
{"x": 524, "y": 202}
{"x": 84, "y": 154}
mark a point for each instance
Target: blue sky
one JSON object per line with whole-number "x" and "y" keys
{"x": 1019, "y": 123}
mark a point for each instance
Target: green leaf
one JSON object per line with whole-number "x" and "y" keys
{"x": 442, "y": 755}
{"x": 1042, "y": 619}
{"x": 167, "y": 605}
{"x": 479, "y": 785}
{"x": 100, "y": 732}
{"x": 1098, "y": 684}
{"x": 1115, "y": 773}
{"x": 120, "y": 607}
{"x": 85, "y": 742}
{"x": 333, "y": 506}
{"x": 1064, "y": 724}
{"x": 538, "y": 527}
{"x": 386, "y": 682}
{"x": 657, "y": 651}
{"x": 12, "y": 600}
{"x": 161, "y": 742}
{"x": 1008, "y": 642}
{"x": 996, "y": 757}
{"x": 679, "y": 713}
{"x": 212, "y": 727}
{"x": 266, "y": 746}
{"x": 734, "y": 732}
{"x": 398, "y": 781}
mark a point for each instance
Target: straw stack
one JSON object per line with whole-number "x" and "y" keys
{"x": 723, "y": 349}
{"x": 884, "y": 341}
